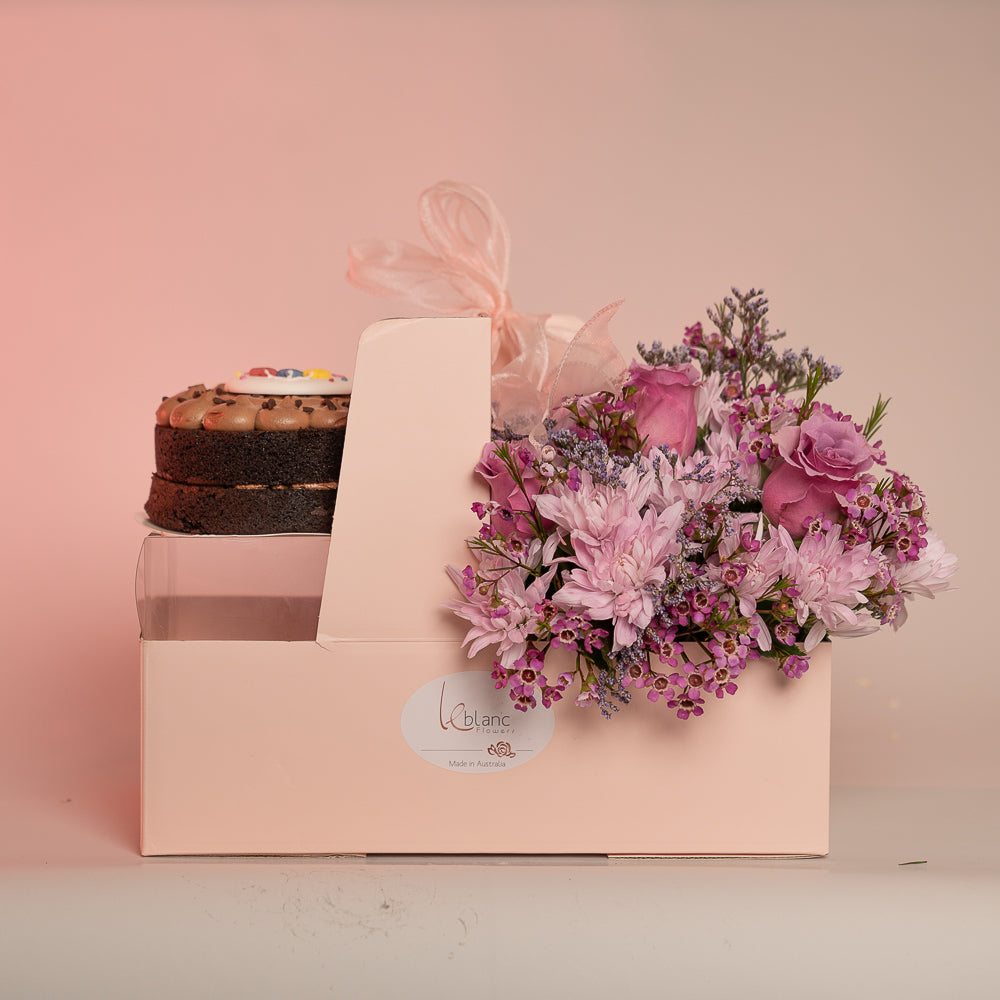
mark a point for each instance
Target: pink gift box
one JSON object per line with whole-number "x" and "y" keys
{"x": 305, "y": 695}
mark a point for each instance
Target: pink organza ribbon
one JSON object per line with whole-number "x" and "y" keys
{"x": 465, "y": 274}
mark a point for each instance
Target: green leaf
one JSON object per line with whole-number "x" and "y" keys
{"x": 876, "y": 417}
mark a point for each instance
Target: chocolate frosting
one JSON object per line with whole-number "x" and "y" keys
{"x": 230, "y": 415}
{"x": 170, "y": 403}
{"x": 217, "y": 410}
{"x": 330, "y": 413}
{"x": 189, "y": 414}
{"x": 281, "y": 417}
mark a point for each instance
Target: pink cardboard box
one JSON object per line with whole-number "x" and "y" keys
{"x": 310, "y": 696}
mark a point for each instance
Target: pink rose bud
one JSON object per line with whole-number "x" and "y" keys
{"x": 665, "y": 411}
{"x": 505, "y": 491}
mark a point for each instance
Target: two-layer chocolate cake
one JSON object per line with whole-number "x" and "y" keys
{"x": 257, "y": 455}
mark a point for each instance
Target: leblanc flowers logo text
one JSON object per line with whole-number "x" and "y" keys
{"x": 458, "y": 716}
{"x": 703, "y": 512}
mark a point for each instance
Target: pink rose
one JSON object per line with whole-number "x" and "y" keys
{"x": 791, "y": 497}
{"x": 665, "y": 412}
{"x": 821, "y": 457}
{"x": 505, "y": 491}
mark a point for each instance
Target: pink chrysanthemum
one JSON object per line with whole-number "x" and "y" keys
{"x": 592, "y": 510}
{"x": 502, "y": 614}
{"x": 829, "y": 579}
{"x": 613, "y": 578}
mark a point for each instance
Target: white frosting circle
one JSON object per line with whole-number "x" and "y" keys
{"x": 277, "y": 385}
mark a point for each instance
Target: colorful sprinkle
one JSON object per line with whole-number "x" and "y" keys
{"x": 288, "y": 381}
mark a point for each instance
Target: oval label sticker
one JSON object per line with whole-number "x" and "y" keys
{"x": 461, "y": 722}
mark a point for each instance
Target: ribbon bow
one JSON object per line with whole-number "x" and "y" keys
{"x": 466, "y": 275}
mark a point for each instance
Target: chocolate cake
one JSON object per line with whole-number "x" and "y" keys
{"x": 259, "y": 454}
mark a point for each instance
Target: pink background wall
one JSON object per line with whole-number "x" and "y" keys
{"x": 179, "y": 183}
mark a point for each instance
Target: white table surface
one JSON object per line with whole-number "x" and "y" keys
{"x": 83, "y": 915}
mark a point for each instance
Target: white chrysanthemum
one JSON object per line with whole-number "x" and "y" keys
{"x": 866, "y": 624}
{"x": 931, "y": 573}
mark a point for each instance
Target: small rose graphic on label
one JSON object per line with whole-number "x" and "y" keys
{"x": 501, "y": 749}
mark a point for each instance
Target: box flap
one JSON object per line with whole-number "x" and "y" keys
{"x": 419, "y": 418}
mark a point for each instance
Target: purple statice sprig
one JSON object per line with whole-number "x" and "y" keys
{"x": 739, "y": 345}
{"x": 738, "y": 342}
{"x": 659, "y": 356}
{"x": 817, "y": 375}
{"x": 606, "y": 416}
{"x": 592, "y": 455}
{"x": 606, "y": 689}
{"x": 748, "y": 349}
{"x": 708, "y": 523}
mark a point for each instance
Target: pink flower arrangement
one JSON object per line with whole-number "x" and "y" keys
{"x": 704, "y": 513}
